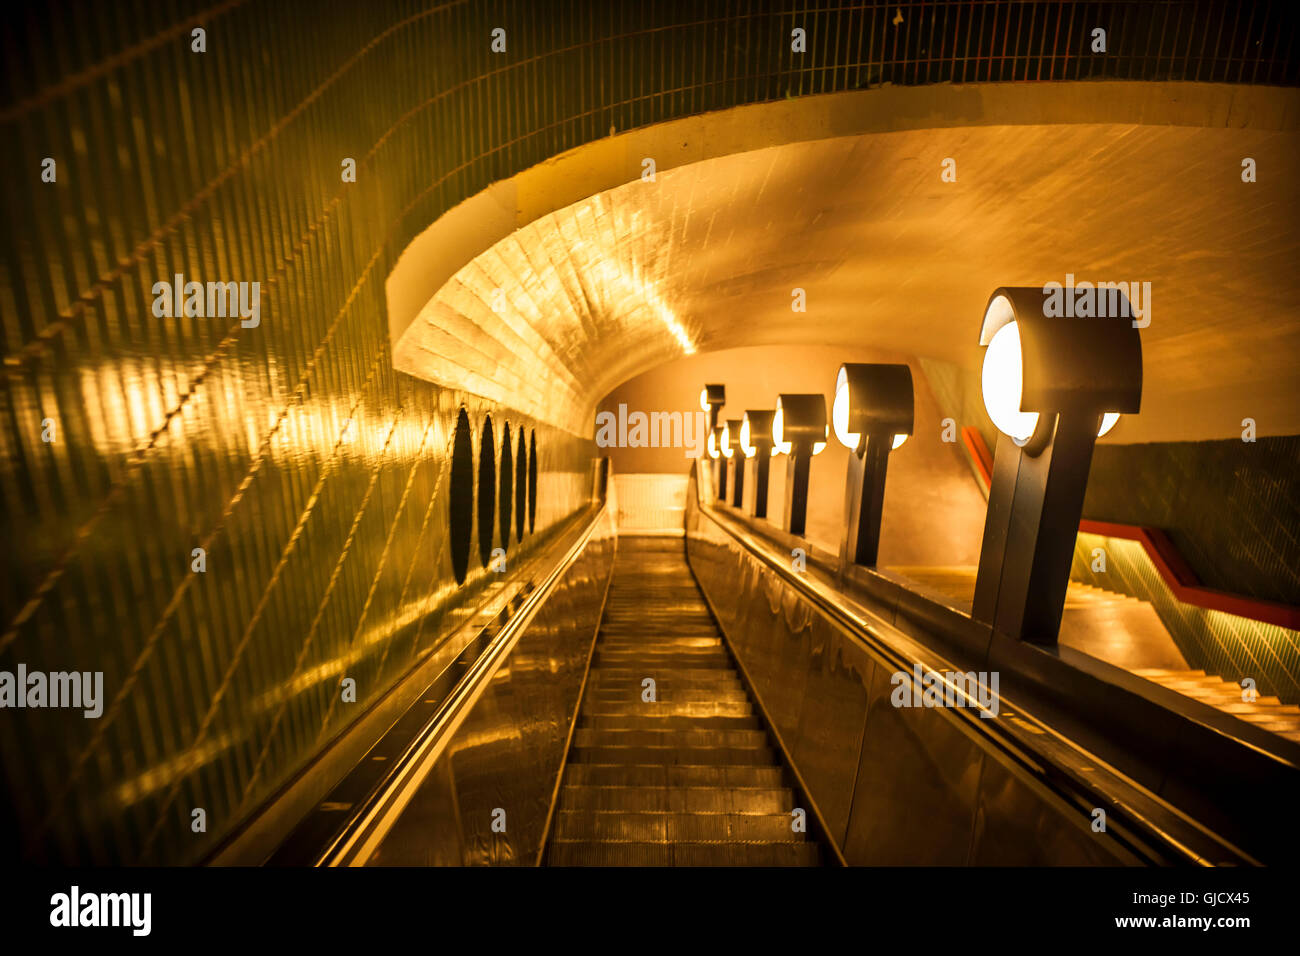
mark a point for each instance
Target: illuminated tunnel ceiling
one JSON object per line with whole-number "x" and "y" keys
{"x": 706, "y": 257}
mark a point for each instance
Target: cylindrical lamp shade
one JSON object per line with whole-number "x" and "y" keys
{"x": 1036, "y": 363}
{"x": 730, "y": 443}
{"x": 712, "y": 395}
{"x": 799, "y": 423}
{"x": 756, "y": 432}
{"x": 872, "y": 399}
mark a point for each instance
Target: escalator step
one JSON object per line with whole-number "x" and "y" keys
{"x": 684, "y": 854}
{"x": 674, "y": 775}
{"x": 777, "y": 800}
{"x": 632, "y": 826}
{"x": 689, "y": 779}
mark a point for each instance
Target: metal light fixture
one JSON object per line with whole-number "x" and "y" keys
{"x": 756, "y": 443}
{"x": 873, "y": 415}
{"x": 718, "y": 453}
{"x": 1052, "y": 385}
{"x": 799, "y": 430}
{"x": 712, "y": 398}
{"x": 730, "y": 447}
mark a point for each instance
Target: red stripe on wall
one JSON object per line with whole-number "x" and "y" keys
{"x": 1163, "y": 553}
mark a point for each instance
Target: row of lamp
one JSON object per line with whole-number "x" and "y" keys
{"x": 1051, "y": 385}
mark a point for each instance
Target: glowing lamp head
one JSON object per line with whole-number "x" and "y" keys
{"x": 756, "y": 432}
{"x": 800, "y": 423}
{"x": 1039, "y": 362}
{"x": 872, "y": 399}
{"x": 730, "y": 441}
{"x": 1002, "y": 381}
{"x": 714, "y": 437}
{"x": 779, "y": 445}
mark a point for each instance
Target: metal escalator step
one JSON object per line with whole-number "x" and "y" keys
{"x": 648, "y": 663}
{"x": 613, "y": 672}
{"x": 684, "y": 854}
{"x": 772, "y": 800}
{"x": 681, "y": 708}
{"x": 668, "y": 695}
{"x": 673, "y": 775}
{"x": 669, "y": 737}
{"x": 637, "y": 721}
{"x": 686, "y": 655}
{"x": 632, "y": 674}
{"x": 666, "y": 642}
{"x": 708, "y": 756}
{"x": 659, "y": 826}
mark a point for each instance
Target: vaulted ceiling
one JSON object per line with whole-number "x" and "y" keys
{"x": 552, "y": 316}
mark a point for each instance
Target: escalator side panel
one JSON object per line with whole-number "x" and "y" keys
{"x": 486, "y": 799}
{"x": 894, "y": 785}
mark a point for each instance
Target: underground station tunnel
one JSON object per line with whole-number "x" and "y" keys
{"x": 652, "y": 434}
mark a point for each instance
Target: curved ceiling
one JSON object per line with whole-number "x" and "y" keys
{"x": 707, "y": 256}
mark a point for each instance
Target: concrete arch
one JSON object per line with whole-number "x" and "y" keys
{"x": 599, "y": 307}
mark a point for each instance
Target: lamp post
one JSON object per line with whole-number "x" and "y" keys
{"x": 712, "y": 398}
{"x": 715, "y": 452}
{"x": 1052, "y": 385}
{"x": 756, "y": 443}
{"x": 872, "y": 415}
{"x": 730, "y": 446}
{"x": 799, "y": 430}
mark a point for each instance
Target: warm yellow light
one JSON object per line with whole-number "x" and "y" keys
{"x": 820, "y": 446}
{"x": 779, "y": 447}
{"x": 898, "y": 440}
{"x": 840, "y": 413}
{"x": 1002, "y": 382}
{"x": 704, "y": 399}
{"x": 745, "y": 446}
{"x": 713, "y": 445}
{"x": 727, "y": 450}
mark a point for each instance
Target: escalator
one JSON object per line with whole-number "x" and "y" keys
{"x": 670, "y": 764}
{"x": 598, "y": 717}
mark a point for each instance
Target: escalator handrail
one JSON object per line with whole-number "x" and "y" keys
{"x": 373, "y": 818}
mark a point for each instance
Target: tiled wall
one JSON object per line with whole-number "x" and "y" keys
{"x": 310, "y": 473}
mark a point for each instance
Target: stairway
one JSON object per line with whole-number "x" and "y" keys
{"x": 688, "y": 778}
{"x": 1267, "y": 713}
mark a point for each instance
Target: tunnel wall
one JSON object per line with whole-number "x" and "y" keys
{"x": 288, "y": 448}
